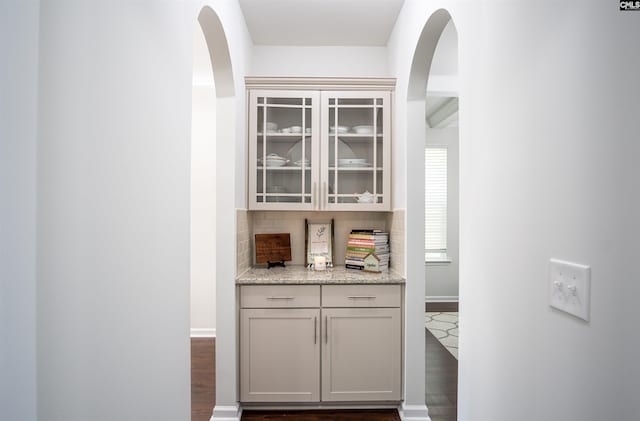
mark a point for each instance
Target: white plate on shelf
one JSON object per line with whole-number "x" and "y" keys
{"x": 344, "y": 150}
{"x": 363, "y": 129}
{"x": 340, "y": 129}
{"x": 295, "y": 152}
{"x": 299, "y": 163}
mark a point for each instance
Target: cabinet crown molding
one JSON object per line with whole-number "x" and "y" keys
{"x": 321, "y": 83}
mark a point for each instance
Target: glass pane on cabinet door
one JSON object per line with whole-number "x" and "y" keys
{"x": 284, "y": 150}
{"x": 348, "y": 186}
{"x": 284, "y": 185}
{"x": 355, "y": 150}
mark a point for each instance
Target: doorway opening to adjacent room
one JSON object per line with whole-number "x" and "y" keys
{"x": 212, "y": 161}
{"x": 432, "y": 126}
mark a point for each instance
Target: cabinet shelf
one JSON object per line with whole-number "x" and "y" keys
{"x": 286, "y": 195}
{"x": 283, "y": 168}
{"x": 355, "y": 135}
{"x": 296, "y": 135}
{"x": 350, "y": 169}
{"x": 356, "y": 138}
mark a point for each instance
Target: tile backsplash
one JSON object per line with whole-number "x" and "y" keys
{"x": 244, "y": 242}
{"x": 269, "y": 222}
{"x": 396, "y": 227}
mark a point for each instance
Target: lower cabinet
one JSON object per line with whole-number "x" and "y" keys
{"x": 280, "y": 355}
{"x": 361, "y": 354}
{"x": 347, "y": 349}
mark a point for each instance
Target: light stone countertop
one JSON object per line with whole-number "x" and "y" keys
{"x": 301, "y": 275}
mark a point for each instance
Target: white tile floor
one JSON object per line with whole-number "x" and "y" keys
{"x": 444, "y": 326}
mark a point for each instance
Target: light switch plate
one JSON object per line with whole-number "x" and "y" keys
{"x": 570, "y": 287}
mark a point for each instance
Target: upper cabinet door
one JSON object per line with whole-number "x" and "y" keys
{"x": 355, "y": 133}
{"x": 320, "y": 149}
{"x": 283, "y": 149}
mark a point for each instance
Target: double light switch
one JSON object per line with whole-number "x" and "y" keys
{"x": 570, "y": 287}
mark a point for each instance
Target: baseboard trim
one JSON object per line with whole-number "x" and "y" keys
{"x": 226, "y": 413}
{"x": 413, "y": 412}
{"x": 441, "y": 299}
{"x": 197, "y": 332}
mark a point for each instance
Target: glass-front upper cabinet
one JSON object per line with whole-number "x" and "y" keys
{"x": 283, "y": 150}
{"x": 321, "y": 148}
{"x": 355, "y": 150}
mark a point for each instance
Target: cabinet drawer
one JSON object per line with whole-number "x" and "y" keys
{"x": 361, "y": 296}
{"x": 279, "y": 296}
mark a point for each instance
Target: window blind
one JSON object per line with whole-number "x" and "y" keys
{"x": 435, "y": 237}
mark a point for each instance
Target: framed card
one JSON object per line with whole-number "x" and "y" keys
{"x": 319, "y": 242}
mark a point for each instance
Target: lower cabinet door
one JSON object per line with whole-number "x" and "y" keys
{"x": 280, "y": 355}
{"x": 361, "y": 350}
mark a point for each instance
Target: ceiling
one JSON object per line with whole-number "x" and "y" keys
{"x": 321, "y": 22}
{"x": 442, "y": 112}
{"x": 347, "y": 23}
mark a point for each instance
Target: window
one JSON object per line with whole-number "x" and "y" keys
{"x": 435, "y": 236}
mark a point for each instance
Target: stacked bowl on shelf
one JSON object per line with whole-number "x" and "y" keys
{"x": 275, "y": 160}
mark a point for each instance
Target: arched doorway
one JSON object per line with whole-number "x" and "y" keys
{"x": 424, "y": 114}
{"x": 216, "y": 94}
{"x": 203, "y": 191}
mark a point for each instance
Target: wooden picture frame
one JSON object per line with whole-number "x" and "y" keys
{"x": 318, "y": 241}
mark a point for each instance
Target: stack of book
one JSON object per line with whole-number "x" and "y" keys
{"x": 363, "y": 242}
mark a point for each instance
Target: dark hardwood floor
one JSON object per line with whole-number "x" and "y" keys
{"x": 442, "y": 381}
{"x": 352, "y": 415}
{"x": 203, "y": 378}
{"x": 441, "y": 307}
{"x": 441, "y": 387}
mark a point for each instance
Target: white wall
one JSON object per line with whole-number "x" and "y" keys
{"x": 319, "y": 61}
{"x": 203, "y": 192}
{"x": 441, "y": 279}
{"x": 445, "y": 57}
{"x": 548, "y": 130}
{"x": 113, "y": 244}
{"x": 114, "y": 177}
{"x": 18, "y": 139}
